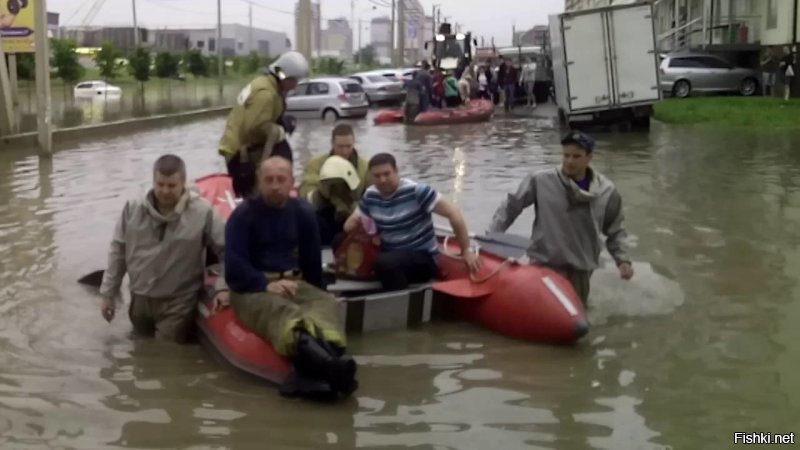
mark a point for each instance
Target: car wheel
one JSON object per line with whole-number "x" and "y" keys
{"x": 749, "y": 87}
{"x": 330, "y": 114}
{"x": 681, "y": 89}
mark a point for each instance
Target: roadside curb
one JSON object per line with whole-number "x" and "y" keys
{"x": 96, "y": 131}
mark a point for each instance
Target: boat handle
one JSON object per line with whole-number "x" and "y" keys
{"x": 476, "y": 248}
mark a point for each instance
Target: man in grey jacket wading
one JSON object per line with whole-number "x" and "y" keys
{"x": 160, "y": 241}
{"x": 574, "y": 205}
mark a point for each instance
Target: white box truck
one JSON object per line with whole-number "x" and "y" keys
{"x": 605, "y": 65}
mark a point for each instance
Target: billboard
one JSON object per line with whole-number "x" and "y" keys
{"x": 16, "y": 26}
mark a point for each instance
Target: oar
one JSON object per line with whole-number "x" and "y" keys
{"x": 94, "y": 279}
{"x": 463, "y": 288}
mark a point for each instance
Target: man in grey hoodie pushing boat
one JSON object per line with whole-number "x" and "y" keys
{"x": 160, "y": 241}
{"x": 574, "y": 205}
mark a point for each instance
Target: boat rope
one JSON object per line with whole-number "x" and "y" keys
{"x": 472, "y": 277}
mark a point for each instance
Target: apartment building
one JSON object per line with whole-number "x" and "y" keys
{"x": 723, "y": 25}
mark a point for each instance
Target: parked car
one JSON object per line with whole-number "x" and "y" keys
{"x": 685, "y": 73}
{"x": 398, "y": 74}
{"x": 95, "y": 88}
{"x": 379, "y": 88}
{"x": 328, "y": 98}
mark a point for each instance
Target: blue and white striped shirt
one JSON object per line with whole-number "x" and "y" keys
{"x": 404, "y": 220}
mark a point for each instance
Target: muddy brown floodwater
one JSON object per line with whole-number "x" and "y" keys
{"x": 703, "y": 343}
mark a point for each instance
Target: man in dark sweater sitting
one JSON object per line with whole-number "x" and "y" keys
{"x": 275, "y": 277}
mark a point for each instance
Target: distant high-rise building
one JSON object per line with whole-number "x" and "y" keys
{"x": 316, "y": 27}
{"x": 414, "y": 31}
{"x": 338, "y": 38}
{"x": 537, "y": 35}
{"x": 380, "y": 35}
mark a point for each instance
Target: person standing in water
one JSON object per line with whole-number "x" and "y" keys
{"x": 574, "y": 204}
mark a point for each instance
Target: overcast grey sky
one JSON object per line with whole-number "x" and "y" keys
{"x": 485, "y": 18}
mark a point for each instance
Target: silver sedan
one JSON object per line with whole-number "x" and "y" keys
{"x": 684, "y": 73}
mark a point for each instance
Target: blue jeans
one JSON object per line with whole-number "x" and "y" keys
{"x": 510, "y": 96}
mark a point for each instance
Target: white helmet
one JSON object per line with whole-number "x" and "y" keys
{"x": 337, "y": 167}
{"x": 290, "y": 65}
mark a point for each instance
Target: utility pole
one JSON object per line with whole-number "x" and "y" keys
{"x": 433, "y": 24}
{"x": 44, "y": 122}
{"x": 394, "y": 50}
{"x": 13, "y": 79}
{"x": 358, "y": 52}
{"x": 135, "y": 27}
{"x": 352, "y": 24}
{"x": 6, "y": 110}
{"x": 219, "y": 49}
{"x": 250, "y": 16}
{"x": 401, "y": 32}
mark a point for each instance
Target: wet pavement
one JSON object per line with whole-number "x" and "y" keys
{"x": 701, "y": 344}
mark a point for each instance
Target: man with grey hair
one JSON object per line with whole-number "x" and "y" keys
{"x": 160, "y": 241}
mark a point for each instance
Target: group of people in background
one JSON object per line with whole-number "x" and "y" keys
{"x": 777, "y": 66}
{"x": 491, "y": 80}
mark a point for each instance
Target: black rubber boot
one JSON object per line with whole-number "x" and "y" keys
{"x": 298, "y": 385}
{"x": 316, "y": 358}
{"x": 347, "y": 387}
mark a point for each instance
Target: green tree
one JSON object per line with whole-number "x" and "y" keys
{"x": 106, "y": 60}
{"x": 366, "y": 56}
{"x": 212, "y": 65}
{"x": 196, "y": 64}
{"x": 252, "y": 63}
{"x": 166, "y": 65}
{"x": 139, "y": 65}
{"x": 26, "y": 66}
{"x": 65, "y": 60}
{"x": 328, "y": 66}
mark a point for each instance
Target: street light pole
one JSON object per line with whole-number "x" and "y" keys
{"x": 219, "y": 48}
{"x": 393, "y": 51}
{"x": 43, "y": 112}
{"x": 135, "y": 27}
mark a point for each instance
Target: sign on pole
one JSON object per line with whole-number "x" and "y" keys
{"x": 412, "y": 29}
{"x": 17, "y": 19}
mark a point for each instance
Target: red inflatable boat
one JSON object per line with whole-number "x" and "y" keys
{"x": 478, "y": 110}
{"x": 522, "y": 301}
{"x": 518, "y": 300}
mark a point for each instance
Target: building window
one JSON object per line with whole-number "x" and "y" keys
{"x": 201, "y": 44}
{"x": 212, "y": 45}
{"x": 772, "y": 14}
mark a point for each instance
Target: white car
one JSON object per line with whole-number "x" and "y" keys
{"x": 95, "y": 89}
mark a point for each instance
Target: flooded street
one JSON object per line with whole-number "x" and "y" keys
{"x": 702, "y": 343}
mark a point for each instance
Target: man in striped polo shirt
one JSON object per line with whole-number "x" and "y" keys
{"x": 402, "y": 212}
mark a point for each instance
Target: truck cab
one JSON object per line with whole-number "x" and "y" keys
{"x": 451, "y": 50}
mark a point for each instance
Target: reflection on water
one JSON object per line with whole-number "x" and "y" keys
{"x": 159, "y": 97}
{"x": 701, "y": 344}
